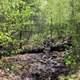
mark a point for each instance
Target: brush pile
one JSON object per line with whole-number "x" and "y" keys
{"x": 40, "y": 63}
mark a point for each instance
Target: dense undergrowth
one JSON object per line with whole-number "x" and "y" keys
{"x": 26, "y": 24}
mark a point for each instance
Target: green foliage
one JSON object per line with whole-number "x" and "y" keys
{"x": 68, "y": 58}
{"x": 45, "y": 17}
{"x": 36, "y": 39}
{"x": 69, "y": 77}
{"x": 5, "y": 38}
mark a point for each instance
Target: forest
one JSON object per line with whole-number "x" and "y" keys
{"x": 39, "y": 40}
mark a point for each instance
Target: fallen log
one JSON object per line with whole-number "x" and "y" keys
{"x": 61, "y": 47}
{"x": 56, "y": 47}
